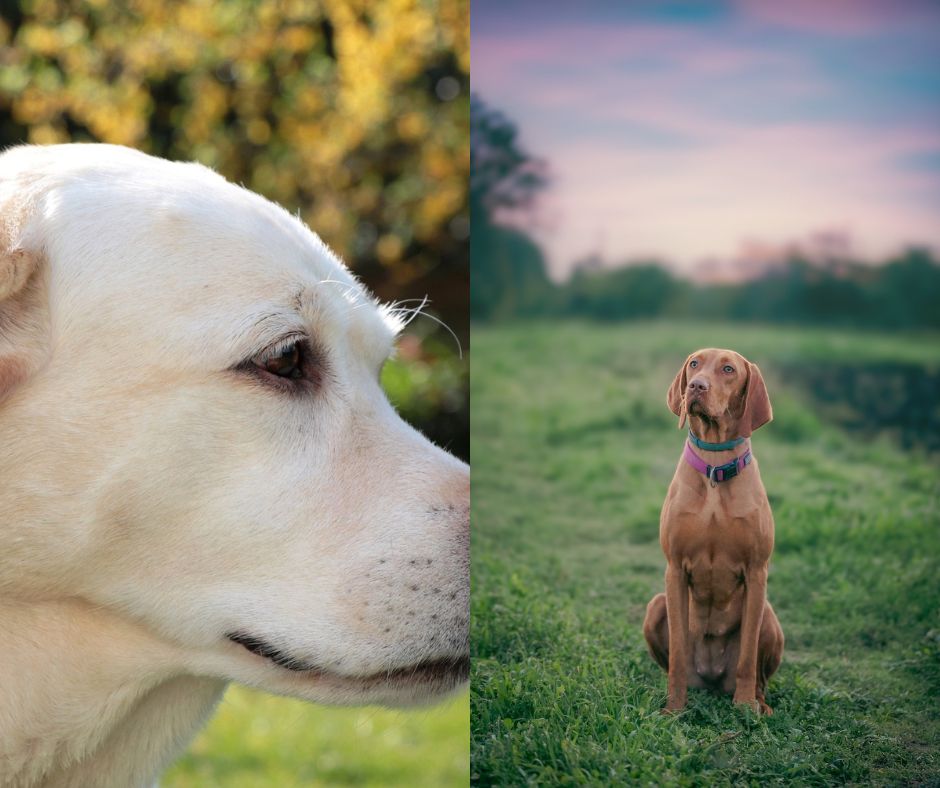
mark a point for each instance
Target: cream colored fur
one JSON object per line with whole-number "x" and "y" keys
{"x": 155, "y": 498}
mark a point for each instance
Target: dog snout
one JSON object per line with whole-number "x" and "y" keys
{"x": 455, "y": 504}
{"x": 698, "y": 386}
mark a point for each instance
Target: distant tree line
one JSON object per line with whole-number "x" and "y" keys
{"x": 509, "y": 279}
{"x": 901, "y": 293}
{"x": 502, "y": 176}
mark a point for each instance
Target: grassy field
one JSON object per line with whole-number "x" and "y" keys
{"x": 572, "y": 450}
{"x": 260, "y": 741}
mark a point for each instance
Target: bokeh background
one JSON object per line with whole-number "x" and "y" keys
{"x": 649, "y": 178}
{"x": 355, "y": 115}
{"x": 749, "y": 160}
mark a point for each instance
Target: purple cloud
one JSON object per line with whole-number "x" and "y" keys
{"x": 688, "y": 141}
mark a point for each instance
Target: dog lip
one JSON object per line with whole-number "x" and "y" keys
{"x": 455, "y": 669}
{"x": 264, "y": 649}
{"x": 442, "y": 673}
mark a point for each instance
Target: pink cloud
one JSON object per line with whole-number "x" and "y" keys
{"x": 770, "y": 187}
{"x": 836, "y": 17}
{"x": 693, "y": 177}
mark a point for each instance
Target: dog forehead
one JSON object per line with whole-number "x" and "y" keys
{"x": 188, "y": 213}
{"x": 718, "y": 355}
{"x": 134, "y": 236}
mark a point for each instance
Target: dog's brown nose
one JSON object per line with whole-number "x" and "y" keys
{"x": 698, "y": 386}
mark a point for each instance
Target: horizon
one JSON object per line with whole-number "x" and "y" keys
{"x": 717, "y": 138}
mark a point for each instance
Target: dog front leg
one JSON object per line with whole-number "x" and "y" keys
{"x": 755, "y": 597}
{"x": 677, "y": 614}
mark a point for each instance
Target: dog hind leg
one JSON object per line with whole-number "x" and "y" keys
{"x": 656, "y": 630}
{"x": 770, "y": 653}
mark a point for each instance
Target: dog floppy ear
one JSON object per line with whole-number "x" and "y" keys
{"x": 675, "y": 396}
{"x": 16, "y": 266}
{"x": 22, "y": 317}
{"x": 756, "y": 411}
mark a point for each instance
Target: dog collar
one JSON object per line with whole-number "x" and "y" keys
{"x": 706, "y": 446}
{"x": 717, "y": 473}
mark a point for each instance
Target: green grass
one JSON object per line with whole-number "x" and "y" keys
{"x": 572, "y": 450}
{"x": 260, "y": 741}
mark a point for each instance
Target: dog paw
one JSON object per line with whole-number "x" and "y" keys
{"x": 673, "y": 707}
{"x": 753, "y": 704}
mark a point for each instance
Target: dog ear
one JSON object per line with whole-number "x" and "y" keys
{"x": 22, "y": 316}
{"x": 16, "y": 266}
{"x": 756, "y": 411}
{"x": 675, "y": 396}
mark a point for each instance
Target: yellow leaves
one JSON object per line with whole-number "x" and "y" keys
{"x": 437, "y": 163}
{"x": 329, "y": 107}
{"x": 389, "y": 248}
{"x": 296, "y": 39}
{"x": 454, "y": 16}
{"x": 308, "y": 101}
{"x": 412, "y": 126}
{"x": 47, "y": 134}
{"x": 109, "y": 124}
{"x": 71, "y": 32}
{"x": 258, "y": 131}
{"x": 40, "y": 40}
{"x": 441, "y": 204}
{"x": 35, "y": 107}
{"x": 196, "y": 18}
{"x": 366, "y": 198}
{"x": 208, "y": 103}
{"x": 327, "y": 219}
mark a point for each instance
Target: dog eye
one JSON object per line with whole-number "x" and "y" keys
{"x": 693, "y": 363}
{"x": 283, "y": 362}
{"x": 728, "y": 368}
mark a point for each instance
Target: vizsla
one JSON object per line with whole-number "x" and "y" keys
{"x": 714, "y": 627}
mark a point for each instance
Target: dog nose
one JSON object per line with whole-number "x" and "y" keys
{"x": 698, "y": 385}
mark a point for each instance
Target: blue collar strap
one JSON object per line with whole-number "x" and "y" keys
{"x": 706, "y": 446}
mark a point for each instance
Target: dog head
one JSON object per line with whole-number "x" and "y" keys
{"x": 720, "y": 387}
{"x": 194, "y": 435}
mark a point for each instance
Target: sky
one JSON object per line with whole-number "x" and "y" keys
{"x": 715, "y": 135}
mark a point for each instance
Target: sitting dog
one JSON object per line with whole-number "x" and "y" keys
{"x": 201, "y": 480}
{"x": 714, "y": 626}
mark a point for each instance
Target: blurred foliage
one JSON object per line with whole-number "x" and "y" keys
{"x": 900, "y": 293}
{"x": 633, "y": 291}
{"x": 509, "y": 278}
{"x": 508, "y": 270}
{"x": 352, "y": 114}
{"x": 503, "y": 174}
{"x": 260, "y": 741}
{"x": 429, "y": 386}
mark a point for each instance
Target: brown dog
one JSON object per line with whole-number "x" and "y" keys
{"x": 714, "y": 626}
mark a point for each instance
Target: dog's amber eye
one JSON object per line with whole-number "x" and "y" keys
{"x": 728, "y": 368}
{"x": 285, "y": 363}
{"x": 693, "y": 363}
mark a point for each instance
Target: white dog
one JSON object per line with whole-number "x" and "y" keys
{"x": 201, "y": 480}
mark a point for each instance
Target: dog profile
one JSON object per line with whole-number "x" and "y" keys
{"x": 713, "y": 627}
{"x": 201, "y": 480}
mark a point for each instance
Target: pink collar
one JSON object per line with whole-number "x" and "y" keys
{"x": 717, "y": 473}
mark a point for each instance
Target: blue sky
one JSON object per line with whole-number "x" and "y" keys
{"x": 716, "y": 135}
